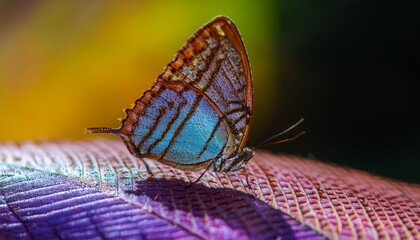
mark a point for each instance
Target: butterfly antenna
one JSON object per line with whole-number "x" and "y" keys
{"x": 287, "y": 139}
{"x": 281, "y": 133}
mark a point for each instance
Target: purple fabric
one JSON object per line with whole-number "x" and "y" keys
{"x": 41, "y": 205}
{"x": 97, "y": 189}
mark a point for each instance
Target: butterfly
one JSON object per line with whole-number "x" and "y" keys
{"x": 197, "y": 114}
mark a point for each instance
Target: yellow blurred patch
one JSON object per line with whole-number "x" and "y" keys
{"x": 65, "y": 66}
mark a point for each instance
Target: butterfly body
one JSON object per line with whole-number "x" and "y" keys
{"x": 199, "y": 110}
{"x": 233, "y": 163}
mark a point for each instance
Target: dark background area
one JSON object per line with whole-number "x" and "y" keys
{"x": 352, "y": 73}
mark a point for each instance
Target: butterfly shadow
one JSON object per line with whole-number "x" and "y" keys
{"x": 217, "y": 212}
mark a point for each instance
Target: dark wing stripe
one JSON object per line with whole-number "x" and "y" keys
{"x": 209, "y": 139}
{"x": 205, "y": 69}
{"x": 168, "y": 127}
{"x": 202, "y": 73}
{"x": 230, "y": 81}
{"x": 155, "y": 124}
{"x": 181, "y": 125}
{"x": 235, "y": 110}
{"x": 239, "y": 118}
{"x": 219, "y": 156}
{"x": 231, "y": 126}
{"x": 141, "y": 103}
{"x": 232, "y": 68}
{"x": 236, "y": 102}
{"x": 212, "y": 76}
{"x": 220, "y": 95}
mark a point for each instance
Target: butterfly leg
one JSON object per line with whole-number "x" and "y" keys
{"x": 149, "y": 171}
{"x": 247, "y": 174}
{"x": 202, "y": 174}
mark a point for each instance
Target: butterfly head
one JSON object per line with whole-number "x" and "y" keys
{"x": 235, "y": 162}
{"x": 247, "y": 155}
{"x": 242, "y": 159}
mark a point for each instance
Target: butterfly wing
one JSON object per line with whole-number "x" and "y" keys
{"x": 200, "y": 107}
{"x": 214, "y": 60}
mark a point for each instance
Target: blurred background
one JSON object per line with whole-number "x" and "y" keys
{"x": 350, "y": 68}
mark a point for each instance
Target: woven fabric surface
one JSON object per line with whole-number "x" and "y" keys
{"x": 96, "y": 189}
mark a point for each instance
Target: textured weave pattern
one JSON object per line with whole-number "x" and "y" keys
{"x": 97, "y": 189}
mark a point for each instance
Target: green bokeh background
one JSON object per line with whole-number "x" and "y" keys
{"x": 351, "y": 68}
